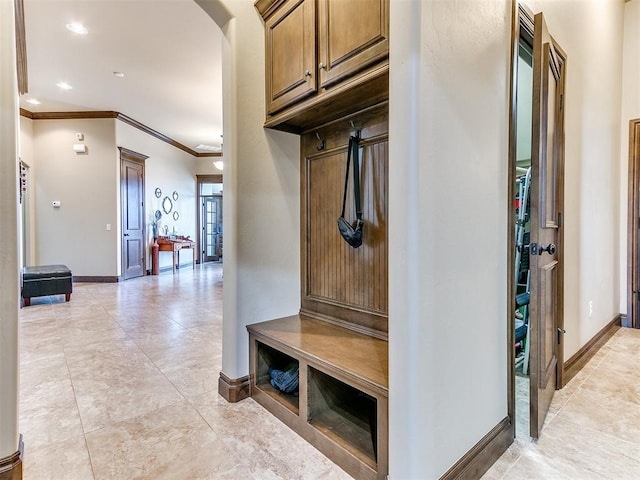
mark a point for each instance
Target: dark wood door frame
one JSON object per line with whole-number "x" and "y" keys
{"x": 633, "y": 195}
{"x": 200, "y": 179}
{"x": 130, "y": 156}
{"x": 521, "y": 27}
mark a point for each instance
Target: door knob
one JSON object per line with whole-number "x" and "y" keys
{"x": 307, "y": 73}
{"x": 550, "y": 249}
{"x": 535, "y": 249}
{"x": 125, "y": 235}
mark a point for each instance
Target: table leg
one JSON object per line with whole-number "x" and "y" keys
{"x": 174, "y": 261}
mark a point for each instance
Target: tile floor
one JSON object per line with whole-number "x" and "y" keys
{"x": 592, "y": 430}
{"x": 121, "y": 383}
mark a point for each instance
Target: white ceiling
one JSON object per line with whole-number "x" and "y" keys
{"x": 169, "y": 51}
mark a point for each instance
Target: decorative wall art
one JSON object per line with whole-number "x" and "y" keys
{"x": 167, "y": 205}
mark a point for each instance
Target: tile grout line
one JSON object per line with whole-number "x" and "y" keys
{"x": 75, "y": 398}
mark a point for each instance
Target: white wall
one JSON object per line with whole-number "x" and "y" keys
{"x": 171, "y": 169}
{"x": 524, "y": 104}
{"x": 204, "y": 165}
{"x": 630, "y": 111}
{"x": 87, "y": 185}
{"x": 9, "y": 285}
{"x": 590, "y": 31}
{"x": 261, "y": 189}
{"x": 449, "y": 84}
{"x": 448, "y": 253}
{"x": 27, "y": 156}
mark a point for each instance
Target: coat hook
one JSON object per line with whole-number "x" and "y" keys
{"x": 356, "y": 129}
{"x": 322, "y": 142}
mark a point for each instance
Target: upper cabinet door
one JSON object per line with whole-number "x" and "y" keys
{"x": 290, "y": 54}
{"x": 352, "y": 35}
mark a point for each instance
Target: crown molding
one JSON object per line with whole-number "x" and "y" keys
{"x": 118, "y": 116}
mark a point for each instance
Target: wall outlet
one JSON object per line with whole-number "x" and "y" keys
{"x": 108, "y": 227}
{"x": 590, "y": 308}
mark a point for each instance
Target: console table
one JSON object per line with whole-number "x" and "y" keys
{"x": 167, "y": 244}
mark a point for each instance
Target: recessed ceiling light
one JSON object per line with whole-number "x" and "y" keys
{"x": 77, "y": 28}
{"x": 33, "y": 101}
{"x": 210, "y": 148}
{"x": 118, "y": 74}
{"x": 64, "y": 86}
{"x": 218, "y": 164}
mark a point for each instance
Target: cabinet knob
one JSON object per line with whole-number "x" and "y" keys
{"x": 322, "y": 66}
{"x": 307, "y": 73}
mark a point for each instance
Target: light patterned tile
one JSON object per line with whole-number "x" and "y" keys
{"x": 171, "y": 442}
{"x": 108, "y": 401}
{"x": 65, "y": 460}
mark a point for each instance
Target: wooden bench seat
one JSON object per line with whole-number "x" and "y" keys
{"x": 360, "y": 357}
{"x": 342, "y": 403}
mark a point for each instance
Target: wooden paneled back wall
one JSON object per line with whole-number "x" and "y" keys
{"x": 341, "y": 284}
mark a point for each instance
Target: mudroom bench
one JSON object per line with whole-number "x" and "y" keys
{"x": 341, "y": 403}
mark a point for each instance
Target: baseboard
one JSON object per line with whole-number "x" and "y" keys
{"x": 589, "y": 349}
{"x": 233, "y": 390}
{"x": 11, "y": 466}
{"x": 95, "y": 279}
{"x": 484, "y": 454}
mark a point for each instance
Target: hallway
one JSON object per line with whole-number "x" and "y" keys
{"x": 593, "y": 427}
{"x": 121, "y": 383}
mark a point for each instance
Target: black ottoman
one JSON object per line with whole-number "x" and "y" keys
{"x": 46, "y": 280}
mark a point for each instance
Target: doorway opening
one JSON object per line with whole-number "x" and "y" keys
{"x": 210, "y": 238}
{"x": 633, "y": 280}
{"x": 522, "y": 272}
{"x": 536, "y": 238}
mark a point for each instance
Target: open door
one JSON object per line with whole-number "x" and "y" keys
{"x": 545, "y": 249}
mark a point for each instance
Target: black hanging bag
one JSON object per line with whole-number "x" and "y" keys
{"x": 352, "y": 232}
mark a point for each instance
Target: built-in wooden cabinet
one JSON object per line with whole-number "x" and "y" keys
{"x": 291, "y": 54}
{"x": 327, "y": 79}
{"x": 324, "y": 58}
{"x": 352, "y": 35}
{"x": 341, "y": 405}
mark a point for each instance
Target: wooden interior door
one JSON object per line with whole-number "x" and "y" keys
{"x": 133, "y": 220}
{"x": 545, "y": 249}
{"x": 352, "y": 36}
{"x": 633, "y": 248}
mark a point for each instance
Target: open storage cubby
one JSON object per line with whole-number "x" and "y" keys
{"x": 342, "y": 403}
{"x": 343, "y": 413}
{"x": 268, "y": 358}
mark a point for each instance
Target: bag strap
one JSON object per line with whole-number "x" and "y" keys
{"x": 353, "y": 149}
{"x": 346, "y": 176}
{"x": 356, "y": 175}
